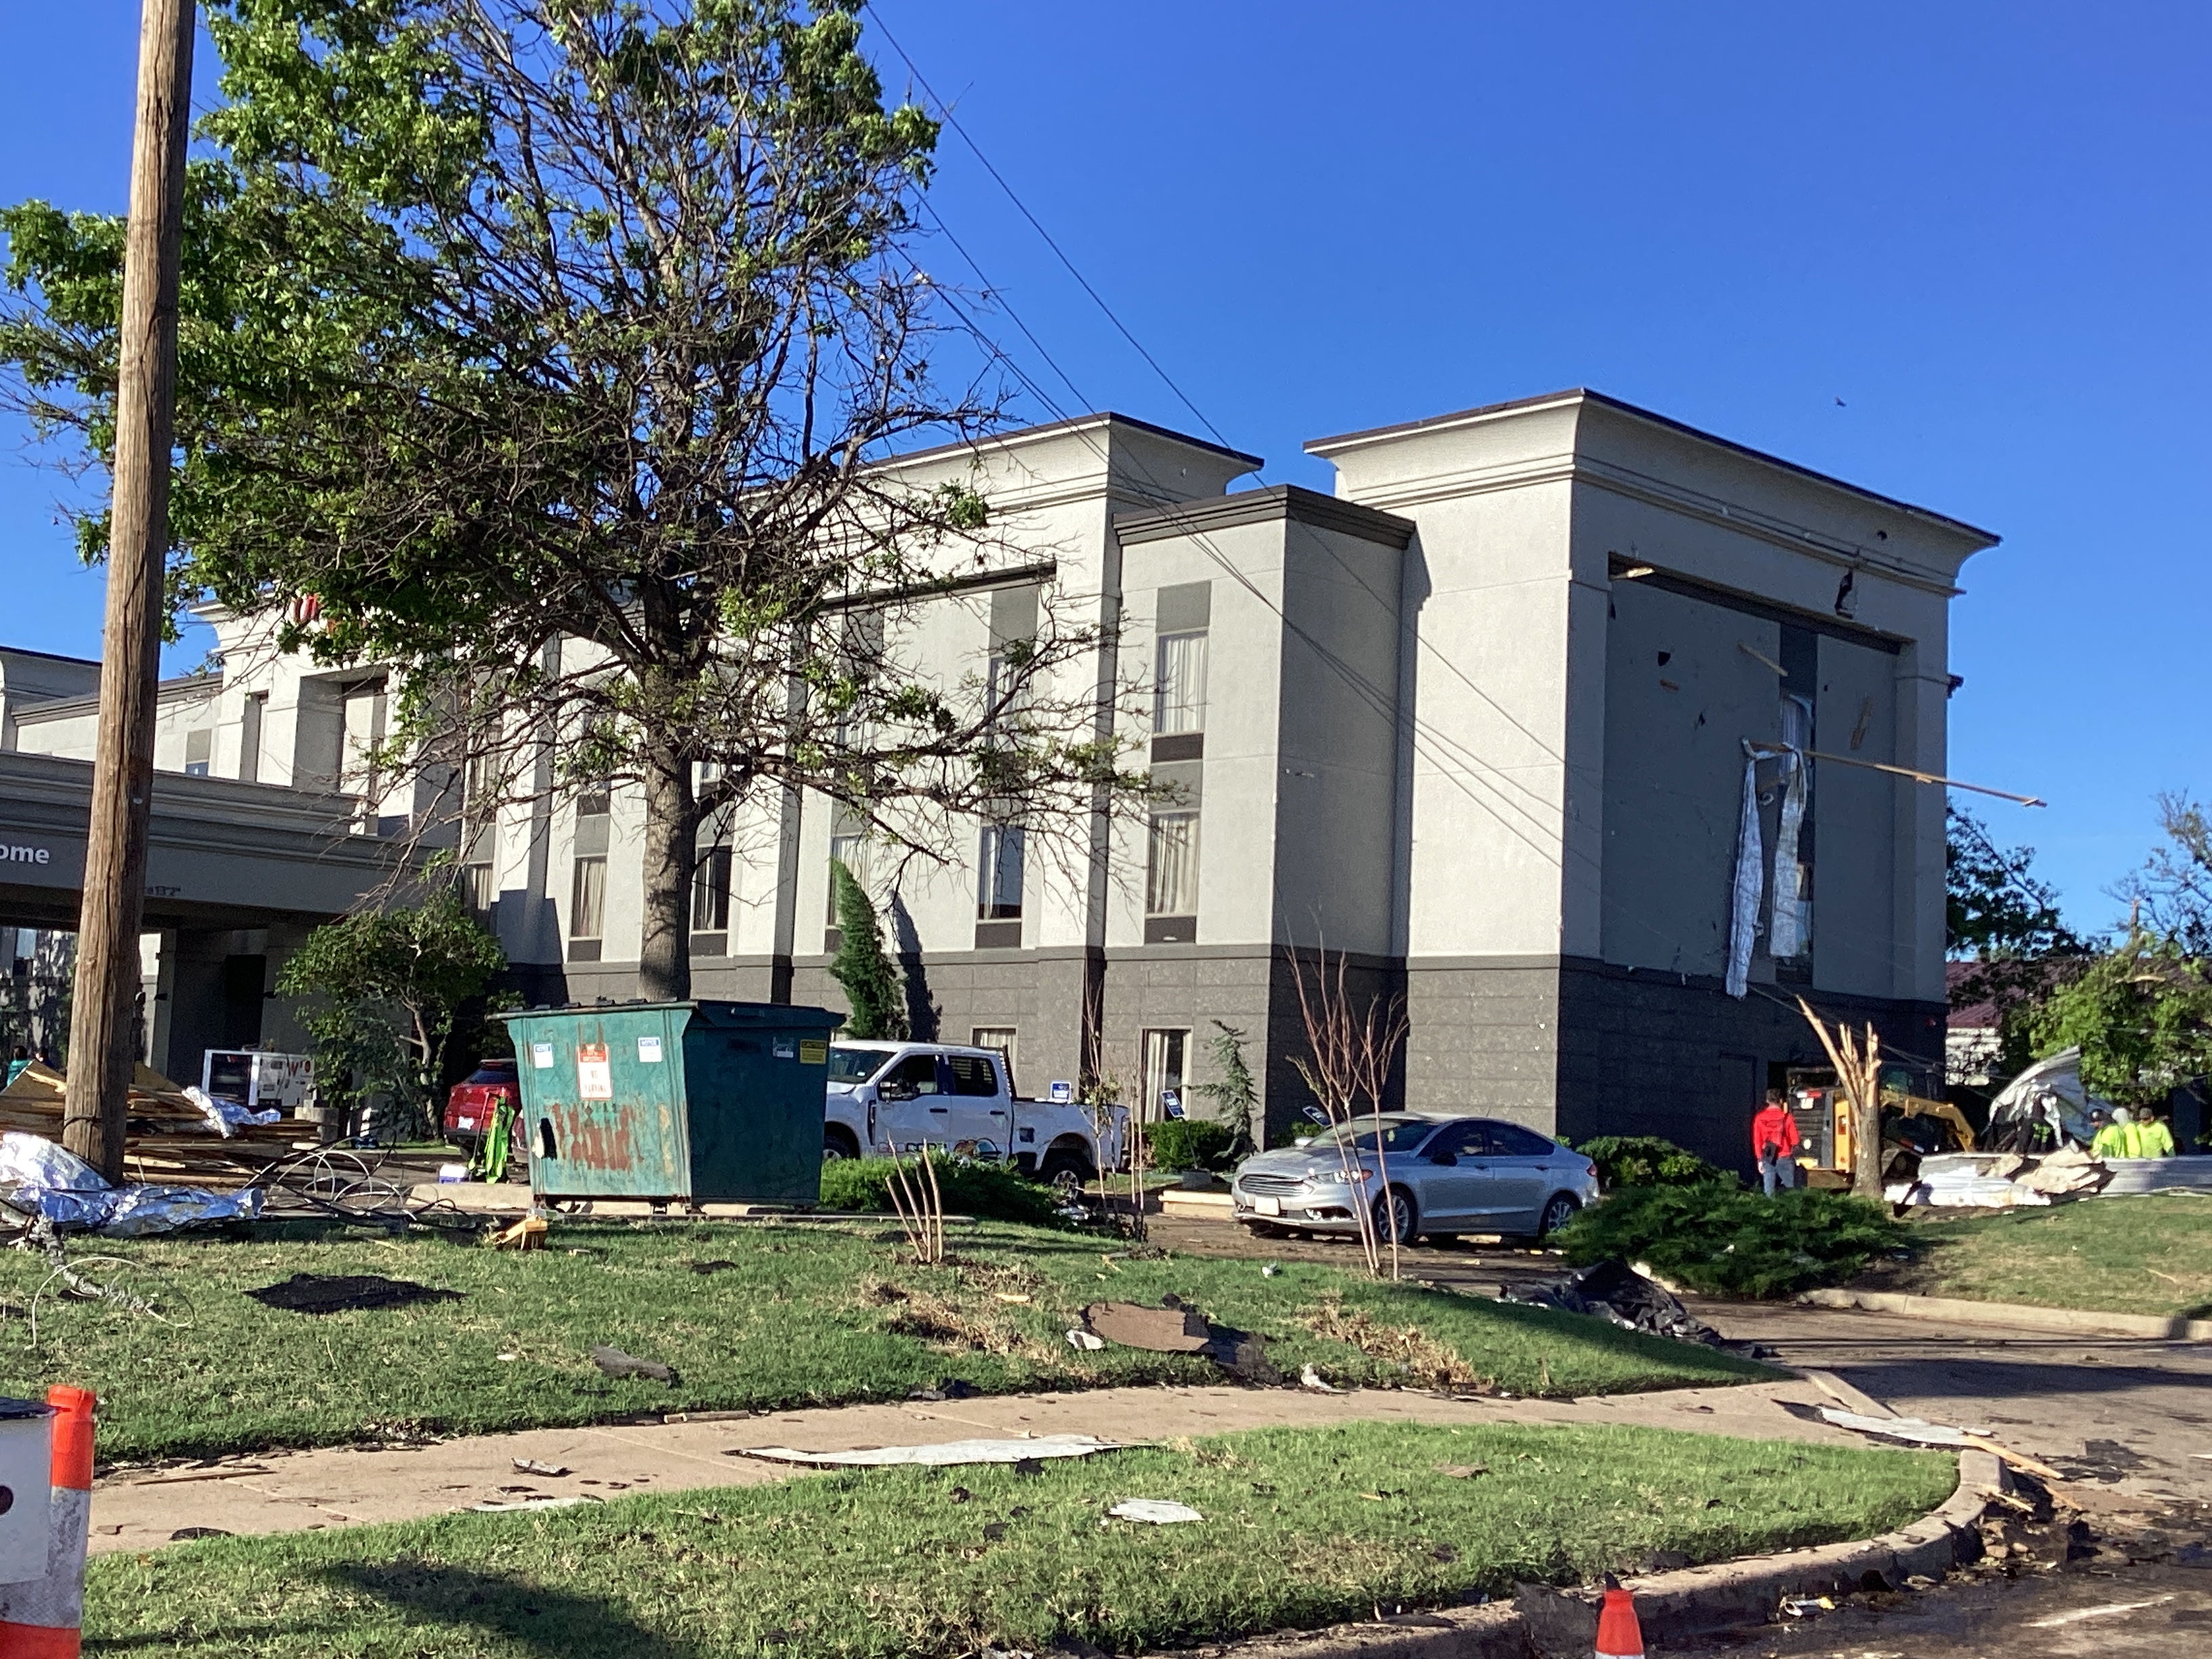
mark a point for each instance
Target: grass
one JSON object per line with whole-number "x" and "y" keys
{"x": 751, "y": 1317}
{"x": 1302, "y": 1528}
{"x": 2151, "y": 1254}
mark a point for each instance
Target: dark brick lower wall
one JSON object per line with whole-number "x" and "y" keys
{"x": 1645, "y": 1053}
{"x": 1576, "y": 1047}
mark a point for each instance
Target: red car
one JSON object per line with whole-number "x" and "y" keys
{"x": 469, "y": 1108}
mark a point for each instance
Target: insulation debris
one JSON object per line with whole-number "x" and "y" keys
{"x": 944, "y": 1454}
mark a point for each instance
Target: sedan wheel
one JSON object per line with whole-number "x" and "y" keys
{"x": 1394, "y": 1217}
{"x": 1559, "y": 1211}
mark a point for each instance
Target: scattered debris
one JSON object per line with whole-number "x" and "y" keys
{"x": 527, "y": 1234}
{"x": 1463, "y": 1471}
{"x": 613, "y": 1362}
{"x": 185, "y": 1535}
{"x": 531, "y": 1466}
{"x": 952, "y": 1388}
{"x": 1013, "y": 1296}
{"x": 714, "y": 1266}
{"x": 1156, "y": 1511}
{"x": 1158, "y": 1330}
{"x": 2110, "y": 1609}
{"x": 1804, "y": 1606}
{"x": 329, "y": 1293}
{"x": 1270, "y": 1271}
{"x": 1310, "y": 1378}
{"x": 942, "y": 1455}
{"x": 1616, "y": 1291}
{"x": 43, "y": 1181}
{"x": 540, "y": 1501}
{"x": 1919, "y": 1433}
{"x": 1175, "y": 1326}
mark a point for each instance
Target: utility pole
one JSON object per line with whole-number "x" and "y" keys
{"x": 107, "y": 967}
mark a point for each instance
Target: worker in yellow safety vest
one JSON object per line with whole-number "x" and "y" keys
{"x": 2116, "y": 1139}
{"x": 2153, "y": 1138}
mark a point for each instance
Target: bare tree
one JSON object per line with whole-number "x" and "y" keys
{"x": 1352, "y": 1046}
{"x": 1858, "y": 1070}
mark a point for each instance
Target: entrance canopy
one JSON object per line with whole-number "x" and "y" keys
{"x": 223, "y": 855}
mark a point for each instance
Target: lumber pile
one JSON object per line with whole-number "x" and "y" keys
{"x": 170, "y": 1139}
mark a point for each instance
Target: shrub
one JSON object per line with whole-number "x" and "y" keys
{"x": 1189, "y": 1143}
{"x": 989, "y": 1191}
{"x": 1648, "y": 1161}
{"x": 1726, "y": 1241}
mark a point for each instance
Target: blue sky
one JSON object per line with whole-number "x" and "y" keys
{"x": 1986, "y": 228}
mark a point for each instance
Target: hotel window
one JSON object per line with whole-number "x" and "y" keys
{"x": 998, "y": 888}
{"x": 849, "y": 846}
{"x": 1001, "y": 1037}
{"x": 710, "y": 891}
{"x": 1179, "y": 684}
{"x": 1164, "y": 1053}
{"x": 587, "y": 899}
{"x": 199, "y": 747}
{"x": 1171, "y": 866}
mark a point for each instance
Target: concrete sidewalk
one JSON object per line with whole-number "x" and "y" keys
{"x": 344, "y": 1486}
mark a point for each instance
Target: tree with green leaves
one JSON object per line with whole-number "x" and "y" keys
{"x": 2141, "y": 1016}
{"x": 2003, "y": 920}
{"x": 382, "y": 993}
{"x": 554, "y": 351}
{"x": 861, "y": 965}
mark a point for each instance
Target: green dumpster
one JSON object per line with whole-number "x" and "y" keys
{"x": 690, "y": 1101}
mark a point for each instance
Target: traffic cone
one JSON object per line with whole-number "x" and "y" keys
{"x": 42, "y": 1620}
{"x": 1618, "y": 1635}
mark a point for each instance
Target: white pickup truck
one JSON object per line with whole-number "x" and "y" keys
{"x": 903, "y": 1097}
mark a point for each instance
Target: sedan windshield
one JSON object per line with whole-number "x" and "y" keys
{"x": 855, "y": 1065}
{"x": 1399, "y": 1134}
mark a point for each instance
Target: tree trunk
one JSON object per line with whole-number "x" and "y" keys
{"x": 672, "y": 823}
{"x": 1866, "y": 1140}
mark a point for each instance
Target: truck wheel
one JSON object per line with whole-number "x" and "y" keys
{"x": 1065, "y": 1164}
{"x": 837, "y": 1143}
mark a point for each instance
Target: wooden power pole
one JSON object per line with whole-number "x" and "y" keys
{"x": 107, "y": 967}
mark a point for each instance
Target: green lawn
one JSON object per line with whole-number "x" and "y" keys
{"x": 2144, "y": 1255}
{"x": 751, "y": 1317}
{"x": 1301, "y": 1527}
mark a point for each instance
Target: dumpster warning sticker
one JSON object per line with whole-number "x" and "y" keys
{"x": 541, "y": 1056}
{"x": 595, "y": 1079}
{"x": 648, "y": 1051}
{"x": 813, "y": 1051}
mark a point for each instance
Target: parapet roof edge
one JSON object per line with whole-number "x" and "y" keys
{"x": 1284, "y": 501}
{"x": 1337, "y": 444}
{"x": 47, "y": 656}
{"x": 1054, "y": 428}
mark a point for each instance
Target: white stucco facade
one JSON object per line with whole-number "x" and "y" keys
{"x": 1477, "y": 720}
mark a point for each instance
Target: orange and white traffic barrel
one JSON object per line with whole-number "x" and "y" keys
{"x": 40, "y": 1618}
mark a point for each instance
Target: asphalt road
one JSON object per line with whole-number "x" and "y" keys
{"x": 2105, "y": 1569}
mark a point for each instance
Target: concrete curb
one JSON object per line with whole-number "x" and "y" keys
{"x": 1669, "y": 1605}
{"x": 2015, "y": 1315}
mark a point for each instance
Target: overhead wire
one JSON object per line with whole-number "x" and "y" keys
{"x": 1099, "y": 299}
{"x": 1452, "y": 757}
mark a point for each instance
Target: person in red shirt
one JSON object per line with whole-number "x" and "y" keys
{"x": 1773, "y": 1140}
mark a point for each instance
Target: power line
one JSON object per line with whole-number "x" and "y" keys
{"x": 1099, "y": 299}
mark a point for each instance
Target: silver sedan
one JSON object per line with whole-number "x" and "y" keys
{"x": 1423, "y": 1173}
